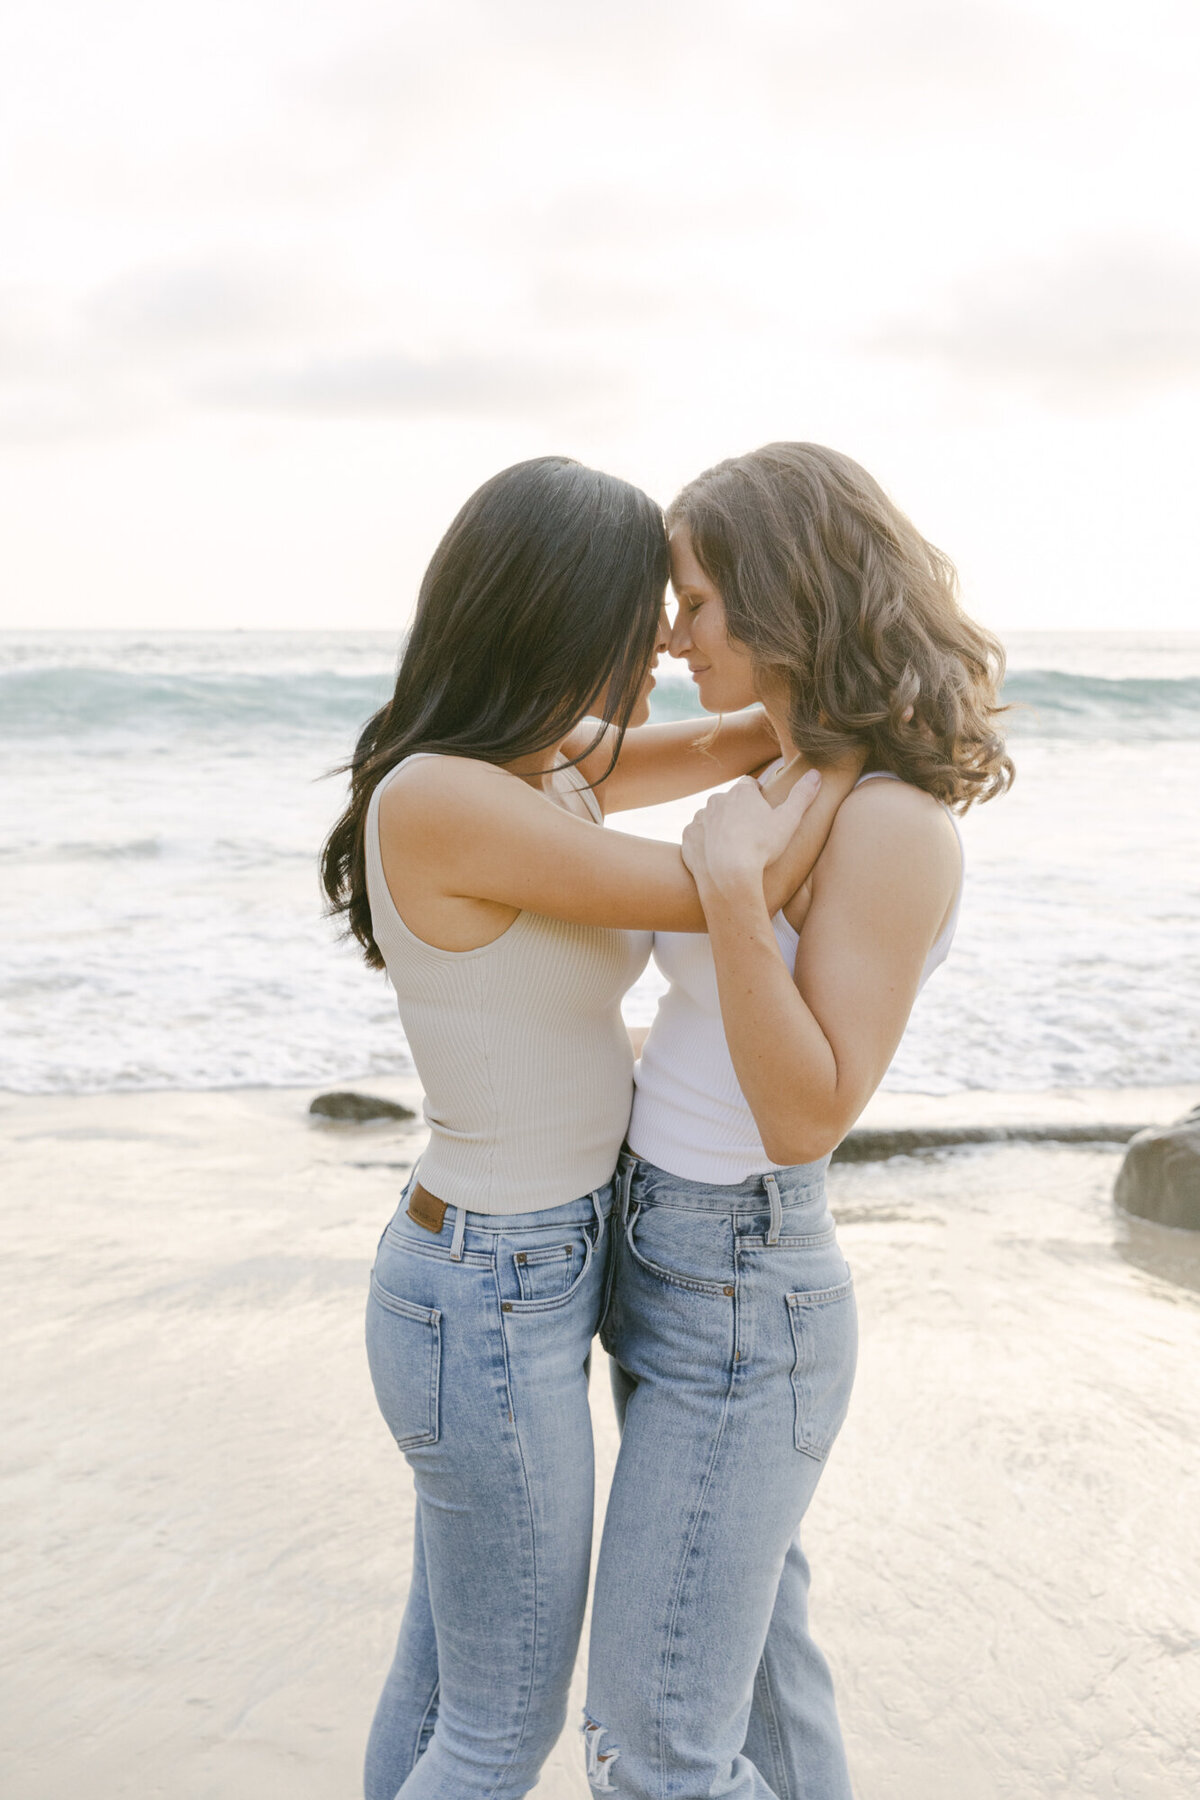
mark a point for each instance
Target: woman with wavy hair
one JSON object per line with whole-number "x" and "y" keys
{"x": 732, "y": 1321}
{"x": 468, "y": 863}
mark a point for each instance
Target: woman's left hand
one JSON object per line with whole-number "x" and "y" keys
{"x": 736, "y": 834}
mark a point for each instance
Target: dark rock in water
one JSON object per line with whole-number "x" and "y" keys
{"x": 358, "y": 1109}
{"x": 1160, "y": 1177}
{"x": 870, "y": 1145}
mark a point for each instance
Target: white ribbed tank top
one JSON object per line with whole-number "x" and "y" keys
{"x": 519, "y": 1045}
{"x": 690, "y": 1116}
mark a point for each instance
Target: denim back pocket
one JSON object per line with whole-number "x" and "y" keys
{"x": 404, "y": 1353}
{"x": 825, "y": 1337}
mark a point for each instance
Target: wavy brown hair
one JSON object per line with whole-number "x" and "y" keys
{"x": 834, "y": 591}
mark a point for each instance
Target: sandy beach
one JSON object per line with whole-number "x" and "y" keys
{"x": 332, "y": 339}
{"x": 206, "y": 1526}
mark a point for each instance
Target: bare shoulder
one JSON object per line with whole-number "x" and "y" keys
{"x": 894, "y": 805}
{"x": 590, "y": 745}
{"x": 439, "y": 792}
{"x": 584, "y": 737}
{"x": 894, "y": 822}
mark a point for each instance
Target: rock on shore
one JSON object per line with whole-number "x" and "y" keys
{"x": 357, "y": 1109}
{"x": 1160, "y": 1177}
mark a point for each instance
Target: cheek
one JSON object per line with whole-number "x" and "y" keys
{"x": 714, "y": 640}
{"x": 707, "y": 637}
{"x": 731, "y": 666}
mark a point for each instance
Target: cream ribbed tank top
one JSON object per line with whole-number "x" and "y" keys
{"x": 519, "y": 1045}
{"x": 690, "y": 1115}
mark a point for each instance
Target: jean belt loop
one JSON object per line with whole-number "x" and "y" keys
{"x": 598, "y": 1209}
{"x": 625, "y": 1187}
{"x": 460, "y": 1229}
{"x": 776, "y": 1226}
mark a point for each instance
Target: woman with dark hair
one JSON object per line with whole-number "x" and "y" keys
{"x": 468, "y": 864}
{"x": 732, "y": 1323}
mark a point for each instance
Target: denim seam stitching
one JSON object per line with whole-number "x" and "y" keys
{"x": 749, "y": 1208}
{"x": 417, "y": 1751}
{"x": 406, "y": 1309}
{"x": 529, "y": 1512}
{"x": 622, "y": 1180}
{"x": 670, "y": 1206}
{"x": 796, "y": 1303}
{"x": 431, "y": 1319}
{"x": 755, "y": 1240}
{"x": 524, "y": 1308}
{"x": 551, "y": 1253}
{"x": 726, "y": 1209}
{"x": 776, "y": 1733}
{"x": 705, "y": 1485}
{"x": 715, "y": 1290}
{"x": 818, "y": 1296}
{"x": 505, "y": 1228}
{"x": 471, "y": 1259}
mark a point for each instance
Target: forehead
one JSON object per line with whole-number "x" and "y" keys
{"x": 685, "y": 569}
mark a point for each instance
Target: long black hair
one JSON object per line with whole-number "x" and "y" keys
{"x": 540, "y": 606}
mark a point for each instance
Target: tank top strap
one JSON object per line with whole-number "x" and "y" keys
{"x": 575, "y": 781}
{"x": 562, "y": 770}
{"x": 945, "y": 937}
{"x": 379, "y": 895}
{"x": 374, "y": 855}
{"x": 788, "y": 937}
{"x": 414, "y": 756}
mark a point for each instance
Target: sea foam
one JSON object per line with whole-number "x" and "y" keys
{"x": 164, "y": 801}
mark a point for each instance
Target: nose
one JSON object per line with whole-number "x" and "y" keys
{"x": 680, "y": 641}
{"x": 663, "y": 633}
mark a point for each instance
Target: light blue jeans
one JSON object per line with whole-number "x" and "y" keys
{"x": 733, "y": 1334}
{"x": 478, "y": 1341}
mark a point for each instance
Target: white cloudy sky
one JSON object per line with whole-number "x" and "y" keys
{"x": 281, "y": 281}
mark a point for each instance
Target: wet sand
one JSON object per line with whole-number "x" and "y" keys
{"x": 205, "y": 1526}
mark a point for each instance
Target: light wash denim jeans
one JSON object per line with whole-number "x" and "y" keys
{"x": 733, "y": 1334}
{"x": 478, "y": 1342}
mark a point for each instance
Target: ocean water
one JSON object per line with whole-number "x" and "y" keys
{"x": 163, "y": 798}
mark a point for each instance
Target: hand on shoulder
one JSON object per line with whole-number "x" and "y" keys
{"x": 737, "y": 833}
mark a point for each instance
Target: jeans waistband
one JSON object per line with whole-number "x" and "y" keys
{"x": 457, "y": 1221}
{"x": 582, "y": 1211}
{"x": 799, "y": 1182}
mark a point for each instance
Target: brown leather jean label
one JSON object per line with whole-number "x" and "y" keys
{"x": 426, "y": 1209}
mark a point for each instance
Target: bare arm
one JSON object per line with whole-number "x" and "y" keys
{"x": 668, "y": 762}
{"x": 810, "y": 1048}
{"x": 472, "y": 835}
